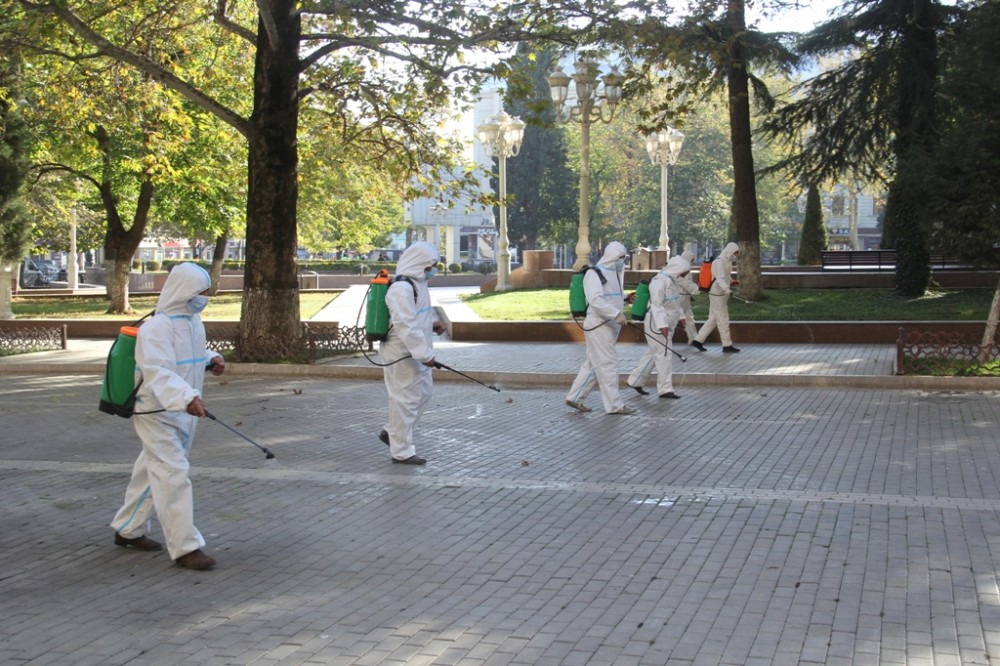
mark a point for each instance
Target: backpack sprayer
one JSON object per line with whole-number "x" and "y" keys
{"x": 378, "y": 321}
{"x": 119, "y": 388}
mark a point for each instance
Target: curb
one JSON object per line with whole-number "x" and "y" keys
{"x": 556, "y": 380}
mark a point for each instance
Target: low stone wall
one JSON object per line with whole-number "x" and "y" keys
{"x": 749, "y": 332}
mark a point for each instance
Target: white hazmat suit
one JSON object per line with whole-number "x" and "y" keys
{"x": 690, "y": 290}
{"x": 718, "y": 299}
{"x": 170, "y": 358}
{"x": 409, "y": 382}
{"x": 605, "y": 317}
{"x": 664, "y": 312}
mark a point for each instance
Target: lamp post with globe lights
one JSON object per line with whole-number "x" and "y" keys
{"x": 591, "y": 106}
{"x": 502, "y": 137}
{"x": 664, "y": 147}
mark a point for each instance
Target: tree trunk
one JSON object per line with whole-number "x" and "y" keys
{"x": 990, "y": 334}
{"x": 218, "y": 257}
{"x": 745, "y": 212}
{"x": 269, "y": 325}
{"x": 120, "y": 244}
{"x": 7, "y": 276}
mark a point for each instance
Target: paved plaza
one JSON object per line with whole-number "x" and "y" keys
{"x": 797, "y": 505}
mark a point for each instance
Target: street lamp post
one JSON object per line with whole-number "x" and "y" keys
{"x": 664, "y": 147}
{"x": 589, "y": 108}
{"x": 502, "y": 137}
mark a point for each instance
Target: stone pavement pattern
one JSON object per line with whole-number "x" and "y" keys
{"x": 738, "y": 525}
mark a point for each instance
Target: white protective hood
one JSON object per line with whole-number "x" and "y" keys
{"x": 416, "y": 258}
{"x": 185, "y": 281}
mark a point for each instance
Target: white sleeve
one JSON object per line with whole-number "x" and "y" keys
{"x": 405, "y": 323}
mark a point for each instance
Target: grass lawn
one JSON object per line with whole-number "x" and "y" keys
{"x": 221, "y": 306}
{"x": 778, "y": 305}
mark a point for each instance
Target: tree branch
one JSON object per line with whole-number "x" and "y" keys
{"x": 143, "y": 64}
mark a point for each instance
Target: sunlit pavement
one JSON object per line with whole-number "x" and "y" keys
{"x": 741, "y": 524}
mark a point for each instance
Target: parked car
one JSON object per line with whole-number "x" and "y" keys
{"x": 33, "y": 275}
{"x": 47, "y": 266}
{"x": 63, "y": 276}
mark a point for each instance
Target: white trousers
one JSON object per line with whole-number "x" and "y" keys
{"x": 160, "y": 483}
{"x": 409, "y": 384}
{"x": 718, "y": 317}
{"x": 656, "y": 357}
{"x": 600, "y": 368}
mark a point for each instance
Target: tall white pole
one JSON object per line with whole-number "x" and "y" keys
{"x": 503, "y": 256}
{"x": 72, "y": 270}
{"x": 664, "y": 232}
{"x": 583, "y": 232}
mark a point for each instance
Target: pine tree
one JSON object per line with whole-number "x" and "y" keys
{"x": 814, "y": 238}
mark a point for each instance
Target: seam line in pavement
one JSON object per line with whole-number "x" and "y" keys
{"x": 659, "y": 495}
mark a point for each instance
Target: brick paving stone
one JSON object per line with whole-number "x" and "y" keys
{"x": 763, "y": 524}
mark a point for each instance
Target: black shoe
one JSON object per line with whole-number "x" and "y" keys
{"x": 640, "y": 390}
{"x": 412, "y": 460}
{"x": 671, "y": 395}
{"x": 730, "y": 350}
{"x": 384, "y": 436}
{"x": 196, "y": 560}
{"x": 697, "y": 345}
{"x": 139, "y": 543}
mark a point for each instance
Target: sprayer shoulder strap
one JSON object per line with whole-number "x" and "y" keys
{"x": 403, "y": 278}
{"x": 600, "y": 273}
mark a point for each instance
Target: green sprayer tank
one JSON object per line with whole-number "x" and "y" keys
{"x": 118, "y": 390}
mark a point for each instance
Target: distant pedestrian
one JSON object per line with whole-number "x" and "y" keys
{"x": 718, "y": 301}
{"x": 662, "y": 318}
{"x": 170, "y": 358}
{"x": 409, "y": 382}
{"x": 605, "y": 317}
{"x": 690, "y": 290}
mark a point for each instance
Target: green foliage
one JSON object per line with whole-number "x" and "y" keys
{"x": 15, "y": 222}
{"x": 778, "y": 305}
{"x": 543, "y": 187}
{"x": 962, "y": 184}
{"x": 814, "y": 237}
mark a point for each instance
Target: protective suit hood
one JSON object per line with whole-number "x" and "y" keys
{"x": 689, "y": 255}
{"x": 416, "y": 258}
{"x": 729, "y": 251}
{"x": 677, "y": 266}
{"x": 612, "y": 253}
{"x": 185, "y": 281}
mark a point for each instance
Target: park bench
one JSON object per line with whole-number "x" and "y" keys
{"x": 878, "y": 260}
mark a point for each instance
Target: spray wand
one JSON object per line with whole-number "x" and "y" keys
{"x": 441, "y": 366}
{"x": 267, "y": 453}
{"x": 666, "y": 347}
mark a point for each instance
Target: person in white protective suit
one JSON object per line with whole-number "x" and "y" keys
{"x": 662, "y": 317}
{"x": 409, "y": 382}
{"x": 690, "y": 290}
{"x": 605, "y": 317}
{"x": 718, "y": 301}
{"x": 170, "y": 359}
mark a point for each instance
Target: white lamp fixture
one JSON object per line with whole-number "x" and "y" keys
{"x": 502, "y": 137}
{"x": 592, "y": 105}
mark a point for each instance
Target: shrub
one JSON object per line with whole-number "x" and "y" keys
{"x": 486, "y": 268}
{"x": 361, "y": 269}
{"x": 455, "y": 268}
{"x": 152, "y": 266}
{"x": 136, "y": 264}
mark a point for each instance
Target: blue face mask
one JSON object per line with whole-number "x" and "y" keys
{"x": 431, "y": 273}
{"x": 197, "y": 304}
{"x": 620, "y": 265}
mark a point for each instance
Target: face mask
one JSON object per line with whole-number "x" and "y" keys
{"x": 620, "y": 265}
{"x": 431, "y": 273}
{"x": 197, "y": 304}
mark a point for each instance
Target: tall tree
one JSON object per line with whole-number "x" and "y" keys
{"x": 875, "y": 113}
{"x": 814, "y": 238}
{"x": 543, "y": 187}
{"x": 709, "y": 49}
{"x": 378, "y": 68}
{"x": 15, "y": 161}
